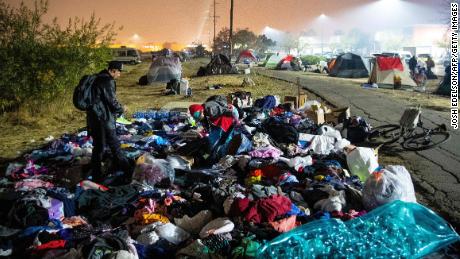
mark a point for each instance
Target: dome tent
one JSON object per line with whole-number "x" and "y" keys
{"x": 246, "y": 55}
{"x": 386, "y": 68}
{"x": 164, "y": 69}
{"x": 348, "y": 65}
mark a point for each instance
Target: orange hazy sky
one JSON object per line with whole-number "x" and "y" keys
{"x": 185, "y": 21}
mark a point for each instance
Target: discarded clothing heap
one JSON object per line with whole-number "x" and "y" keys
{"x": 273, "y": 183}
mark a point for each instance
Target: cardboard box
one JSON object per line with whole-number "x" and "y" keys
{"x": 338, "y": 115}
{"x": 317, "y": 116}
{"x": 298, "y": 102}
{"x": 302, "y": 100}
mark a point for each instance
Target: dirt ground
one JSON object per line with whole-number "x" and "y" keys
{"x": 22, "y": 131}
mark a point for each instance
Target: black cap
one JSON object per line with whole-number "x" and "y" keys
{"x": 116, "y": 65}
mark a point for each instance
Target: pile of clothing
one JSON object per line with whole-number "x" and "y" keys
{"x": 277, "y": 176}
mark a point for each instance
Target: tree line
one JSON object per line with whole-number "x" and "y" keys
{"x": 44, "y": 61}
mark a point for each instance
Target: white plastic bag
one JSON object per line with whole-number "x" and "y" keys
{"x": 329, "y": 131}
{"x": 194, "y": 224}
{"x": 172, "y": 233}
{"x": 308, "y": 104}
{"x": 389, "y": 184}
{"x": 298, "y": 162}
{"x": 362, "y": 162}
{"x": 341, "y": 144}
{"x": 217, "y": 226}
{"x": 322, "y": 145}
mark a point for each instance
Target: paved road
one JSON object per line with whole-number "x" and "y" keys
{"x": 435, "y": 172}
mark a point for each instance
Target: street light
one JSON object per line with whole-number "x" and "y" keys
{"x": 322, "y": 17}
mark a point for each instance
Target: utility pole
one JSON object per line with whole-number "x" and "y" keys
{"x": 214, "y": 18}
{"x": 231, "y": 29}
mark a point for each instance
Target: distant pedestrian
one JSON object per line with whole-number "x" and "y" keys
{"x": 101, "y": 119}
{"x": 412, "y": 64}
{"x": 429, "y": 66}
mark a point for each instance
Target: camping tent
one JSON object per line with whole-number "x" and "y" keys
{"x": 246, "y": 55}
{"x": 348, "y": 65}
{"x": 386, "y": 68}
{"x": 289, "y": 62}
{"x": 273, "y": 61}
{"x": 220, "y": 64}
{"x": 164, "y": 69}
{"x": 444, "y": 87}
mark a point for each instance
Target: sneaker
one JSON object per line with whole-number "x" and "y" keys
{"x": 123, "y": 120}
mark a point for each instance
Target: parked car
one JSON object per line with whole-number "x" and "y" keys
{"x": 127, "y": 55}
{"x": 423, "y": 57}
{"x": 405, "y": 55}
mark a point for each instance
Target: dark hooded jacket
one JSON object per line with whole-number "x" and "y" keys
{"x": 105, "y": 106}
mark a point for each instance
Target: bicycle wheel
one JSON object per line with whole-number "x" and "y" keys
{"x": 385, "y": 134}
{"x": 425, "y": 141}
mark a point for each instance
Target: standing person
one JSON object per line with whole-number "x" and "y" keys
{"x": 412, "y": 65}
{"x": 101, "y": 121}
{"x": 429, "y": 65}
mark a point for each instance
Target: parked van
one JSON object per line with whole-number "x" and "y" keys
{"x": 126, "y": 55}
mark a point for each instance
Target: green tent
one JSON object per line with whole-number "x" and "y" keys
{"x": 273, "y": 61}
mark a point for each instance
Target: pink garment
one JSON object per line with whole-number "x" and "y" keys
{"x": 266, "y": 152}
{"x": 30, "y": 184}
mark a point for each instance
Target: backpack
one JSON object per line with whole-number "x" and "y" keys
{"x": 82, "y": 96}
{"x": 173, "y": 86}
{"x": 102, "y": 246}
{"x": 281, "y": 132}
{"x": 357, "y": 129}
{"x": 216, "y": 106}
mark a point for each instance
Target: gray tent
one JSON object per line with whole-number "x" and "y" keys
{"x": 349, "y": 65}
{"x": 164, "y": 69}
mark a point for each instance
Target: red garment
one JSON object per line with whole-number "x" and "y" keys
{"x": 240, "y": 205}
{"x": 277, "y": 111}
{"x": 51, "y": 245}
{"x": 224, "y": 122}
{"x": 274, "y": 206}
{"x": 195, "y": 108}
{"x": 263, "y": 210}
{"x": 253, "y": 214}
{"x": 390, "y": 63}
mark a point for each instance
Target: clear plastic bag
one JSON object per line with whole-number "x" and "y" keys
{"x": 152, "y": 171}
{"x": 397, "y": 229}
{"x": 389, "y": 184}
